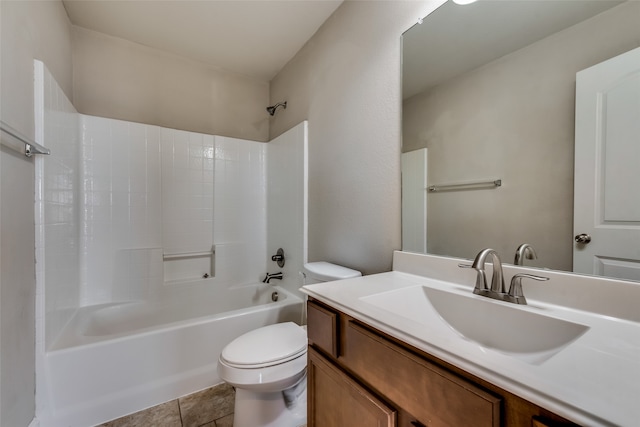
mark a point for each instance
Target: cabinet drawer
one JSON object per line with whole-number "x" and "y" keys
{"x": 433, "y": 395}
{"x": 322, "y": 328}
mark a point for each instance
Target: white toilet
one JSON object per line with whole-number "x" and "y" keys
{"x": 268, "y": 366}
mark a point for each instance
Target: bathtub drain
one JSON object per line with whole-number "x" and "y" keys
{"x": 274, "y": 296}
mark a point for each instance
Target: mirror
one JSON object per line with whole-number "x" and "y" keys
{"x": 489, "y": 91}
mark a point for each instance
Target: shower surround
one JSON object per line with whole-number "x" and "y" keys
{"x": 136, "y": 223}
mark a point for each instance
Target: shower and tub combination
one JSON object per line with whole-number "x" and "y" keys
{"x": 119, "y": 358}
{"x": 152, "y": 245}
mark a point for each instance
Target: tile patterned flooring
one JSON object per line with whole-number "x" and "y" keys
{"x": 212, "y": 407}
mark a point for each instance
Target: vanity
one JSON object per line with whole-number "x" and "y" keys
{"x": 415, "y": 347}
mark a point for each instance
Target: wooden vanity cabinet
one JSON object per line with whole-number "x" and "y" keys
{"x": 359, "y": 376}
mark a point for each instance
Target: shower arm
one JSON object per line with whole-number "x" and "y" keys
{"x": 272, "y": 109}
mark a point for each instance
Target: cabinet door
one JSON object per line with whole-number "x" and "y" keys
{"x": 335, "y": 400}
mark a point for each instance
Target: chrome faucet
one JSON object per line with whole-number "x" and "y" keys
{"x": 497, "y": 280}
{"x": 269, "y": 277}
{"x": 525, "y": 250}
{"x": 497, "y": 290}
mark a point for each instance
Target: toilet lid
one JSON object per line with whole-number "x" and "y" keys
{"x": 266, "y": 346}
{"x": 326, "y": 271}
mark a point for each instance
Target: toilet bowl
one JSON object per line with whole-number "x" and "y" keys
{"x": 268, "y": 366}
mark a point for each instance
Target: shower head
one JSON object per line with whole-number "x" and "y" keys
{"x": 272, "y": 110}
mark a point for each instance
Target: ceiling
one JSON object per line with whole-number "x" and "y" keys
{"x": 455, "y": 39}
{"x": 252, "y": 37}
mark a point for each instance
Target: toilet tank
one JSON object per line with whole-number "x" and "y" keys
{"x": 316, "y": 272}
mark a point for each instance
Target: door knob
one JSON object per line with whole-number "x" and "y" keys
{"x": 583, "y": 238}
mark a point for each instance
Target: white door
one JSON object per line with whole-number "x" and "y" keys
{"x": 607, "y": 168}
{"x": 414, "y": 201}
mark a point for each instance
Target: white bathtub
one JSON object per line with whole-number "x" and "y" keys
{"x": 116, "y": 359}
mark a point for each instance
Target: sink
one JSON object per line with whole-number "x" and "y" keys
{"x": 515, "y": 330}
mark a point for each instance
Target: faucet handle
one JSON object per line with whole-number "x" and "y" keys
{"x": 278, "y": 257}
{"x": 515, "y": 294}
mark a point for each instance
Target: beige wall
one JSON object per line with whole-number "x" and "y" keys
{"x": 346, "y": 82}
{"x": 119, "y": 79}
{"x": 512, "y": 119}
{"x": 29, "y": 29}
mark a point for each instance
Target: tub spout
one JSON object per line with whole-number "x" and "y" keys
{"x": 269, "y": 277}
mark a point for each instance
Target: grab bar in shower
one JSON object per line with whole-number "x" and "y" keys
{"x": 190, "y": 254}
{"x": 465, "y": 185}
{"x": 10, "y": 136}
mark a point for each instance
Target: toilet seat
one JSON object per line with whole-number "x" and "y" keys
{"x": 271, "y": 358}
{"x": 267, "y": 346}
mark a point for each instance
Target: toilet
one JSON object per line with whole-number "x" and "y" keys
{"x": 268, "y": 366}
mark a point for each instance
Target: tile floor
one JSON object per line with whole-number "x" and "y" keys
{"x": 212, "y": 407}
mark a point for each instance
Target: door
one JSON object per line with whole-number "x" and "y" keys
{"x": 414, "y": 201}
{"x": 607, "y": 169}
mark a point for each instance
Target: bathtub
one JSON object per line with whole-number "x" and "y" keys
{"x": 116, "y": 359}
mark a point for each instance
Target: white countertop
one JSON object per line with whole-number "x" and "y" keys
{"x": 593, "y": 381}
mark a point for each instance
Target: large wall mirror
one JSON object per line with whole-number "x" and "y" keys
{"x": 489, "y": 90}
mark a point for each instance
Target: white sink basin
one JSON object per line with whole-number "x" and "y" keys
{"x": 506, "y": 327}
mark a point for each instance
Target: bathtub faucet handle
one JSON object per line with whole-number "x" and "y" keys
{"x": 278, "y": 257}
{"x": 269, "y": 277}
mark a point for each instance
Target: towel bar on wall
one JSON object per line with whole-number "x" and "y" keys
{"x": 30, "y": 147}
{"x": 471, "y": 185}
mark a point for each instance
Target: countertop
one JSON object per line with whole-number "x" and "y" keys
{"x": 593, "y": 381}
